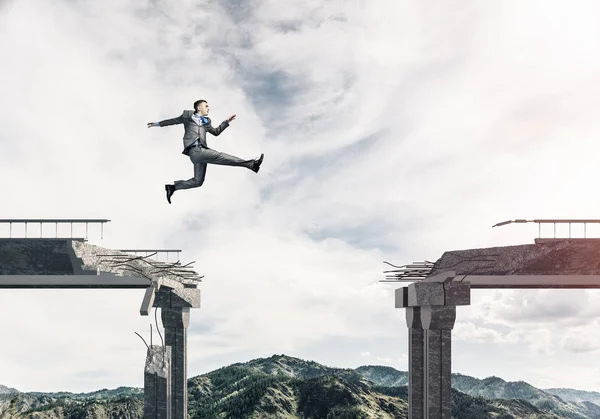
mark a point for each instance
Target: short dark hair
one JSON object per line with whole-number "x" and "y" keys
{"x": 196, "y": 103}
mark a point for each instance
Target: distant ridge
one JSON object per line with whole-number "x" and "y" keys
{"x": 571, "y": 395}
{"x": 7, "y": 390}
{"x": 281, "y": 386}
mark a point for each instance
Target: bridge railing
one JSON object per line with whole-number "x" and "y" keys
{"x": 554, "y": 222}
{"x": 56, "y": 222}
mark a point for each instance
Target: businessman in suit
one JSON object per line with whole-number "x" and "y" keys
{"x": 197, "y": 124}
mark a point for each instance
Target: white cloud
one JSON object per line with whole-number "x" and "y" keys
{"x": 561, "y": 375}
{"x": 530, "y": 308}
{"x": 581, "y": 339}
{"x": 538, "y": 341}
{"x": 470, "y": 332}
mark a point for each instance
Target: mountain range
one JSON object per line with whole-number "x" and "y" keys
{"x": 285, "y": 387}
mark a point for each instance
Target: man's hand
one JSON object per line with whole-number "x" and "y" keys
{"x": 150, "y": 124}
{"x": 231, "y": 118}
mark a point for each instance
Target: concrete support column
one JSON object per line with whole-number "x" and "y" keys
{"x": 416, "y": 363}
{"x": 438, "y": 322}
{"x": 157, "y": 383}
{"x": 175, "y": 307}
{"x": 430, "y": 315}
{"x": 176, "y": 321}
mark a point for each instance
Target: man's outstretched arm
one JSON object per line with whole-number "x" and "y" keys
{"x": 220, "y": 128}
{"x": 166, "y": 122}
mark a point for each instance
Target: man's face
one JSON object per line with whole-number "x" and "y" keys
{"x": 203, "y": 109}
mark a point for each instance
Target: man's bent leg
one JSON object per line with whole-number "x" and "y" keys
{"x": 207, "y": 155}
{"x": 196, "y": 181}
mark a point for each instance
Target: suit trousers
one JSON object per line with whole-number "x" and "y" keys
{"x": 200, "y": 157}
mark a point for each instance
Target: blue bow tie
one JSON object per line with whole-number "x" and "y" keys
{"x": 203, "y": 119}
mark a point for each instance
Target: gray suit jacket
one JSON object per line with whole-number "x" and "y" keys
{"x": 193, "y": 131}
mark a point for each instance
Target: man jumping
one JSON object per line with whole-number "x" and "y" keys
{"x": 196, "y": 124}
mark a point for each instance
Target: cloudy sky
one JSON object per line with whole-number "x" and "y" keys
{"x": 391, "y": 132}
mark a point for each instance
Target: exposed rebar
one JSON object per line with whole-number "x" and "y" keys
{"x": 410, "y": 272}
{"x": 157, "y": 328}
{"x": 174, "y": 269}
{"x": 388, "y": 263}
{"x": 142, "y": 340}
{"x": 159, "y": 334}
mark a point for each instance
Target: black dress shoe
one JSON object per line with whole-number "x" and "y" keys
{"x": 170, "y": 191}
{"x": 257, "y": 163}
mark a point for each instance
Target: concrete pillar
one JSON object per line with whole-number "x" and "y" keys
{"x": 438, "y": 322}
{"x": 430, "y": 314}
{"x": 157, "y": 383}
{"x": 416, "y": 365}
{"x": 175, "y": 307}
{"x": 176, "y": 321}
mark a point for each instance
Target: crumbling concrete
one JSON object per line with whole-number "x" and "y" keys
{"x": 157, "y": 383}
{"x": 94, "y": 258}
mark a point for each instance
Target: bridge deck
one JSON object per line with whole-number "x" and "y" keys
{"x": 531, "y": 281}
{"x": 73, "y": 263}
{"x": 553, "y": 263}
{"x": 72, "y": 281}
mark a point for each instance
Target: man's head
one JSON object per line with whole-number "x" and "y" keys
{"x": 201, "y": 106}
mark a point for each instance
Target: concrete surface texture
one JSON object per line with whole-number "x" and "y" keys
{"x": 66, "y": 256}
{"x": 557, "y": 257}
{"x": 157, "y": 383}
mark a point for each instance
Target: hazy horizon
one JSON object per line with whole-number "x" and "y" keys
{"x": 267, "y": 357}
